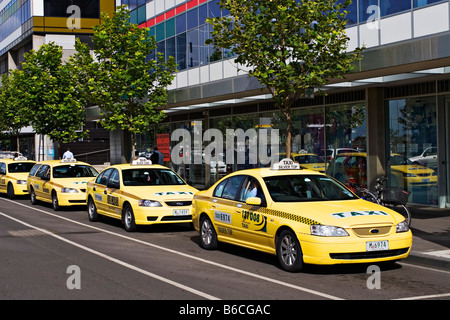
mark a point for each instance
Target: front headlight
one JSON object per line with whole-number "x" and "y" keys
{"x": 402, "y": 227}
{"x": 149, "y": 203}
{"x": 328, "y": 231}
{"x": 69, "y": 190}
{"x": 21, "y": 182}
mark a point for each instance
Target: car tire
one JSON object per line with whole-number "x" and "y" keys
{"x": 128, "y": 219}
{"x": 92, "y": 211}
{"x": 33, "y": 197}
{"x": 10, "y": 191}
{"x": 55, "y": 203}
{"x": 289, "y": 252}
{"x": 208, "y": 235}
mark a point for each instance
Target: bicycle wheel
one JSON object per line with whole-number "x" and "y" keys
{"x": 404, "y": 212}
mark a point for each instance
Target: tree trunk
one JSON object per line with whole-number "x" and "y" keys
{"x": 287, "y": 114}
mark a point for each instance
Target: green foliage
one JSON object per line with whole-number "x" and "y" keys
{"x": 288, "y": 45}
{"x": 129, "y": 88}
{"x": 14, "y": 115}
{"x": 48, "y": 92}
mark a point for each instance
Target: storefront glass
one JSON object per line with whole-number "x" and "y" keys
{"x": 346, "y": 143}
{"x": 413, "y": 160}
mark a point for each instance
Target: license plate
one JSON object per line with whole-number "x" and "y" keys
{"x": 181, "y": 212}
{"x": 426, "y": 180}
{"x": 377, "y": 245}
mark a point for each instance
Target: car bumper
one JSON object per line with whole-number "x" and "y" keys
{"x": 152, "y": 215}
{"x": 72, "y": 199}
{"x": 20, "y": 189}
{"x": 334, "y": 250}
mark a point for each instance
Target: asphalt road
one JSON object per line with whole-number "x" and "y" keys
{"x": 61, "y": 255}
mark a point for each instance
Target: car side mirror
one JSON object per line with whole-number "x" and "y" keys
{"x": 253, "y": 201}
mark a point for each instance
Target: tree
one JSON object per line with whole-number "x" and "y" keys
{"x": 128, "y": 86}
{"x": 48, "y": 92}
{"x": 289, "y": 45}
{"x": 14, "y": 115}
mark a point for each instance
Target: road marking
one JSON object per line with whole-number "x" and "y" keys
{"x": 439, "y": 253}
{"x": 250, "y": 274}
{"x": 120, "y": 262}
{"x": 433, "y": 296}
{"x": 422, "y": 267}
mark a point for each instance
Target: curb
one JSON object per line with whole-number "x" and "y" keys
{"x": 426, "y": 260}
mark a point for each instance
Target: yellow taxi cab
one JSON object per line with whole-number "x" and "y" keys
{"x": 302, "y": 216}
{"x": 13, "y": 176}
{"x": 60, "y": 182}
{"x": 140, "y": 193}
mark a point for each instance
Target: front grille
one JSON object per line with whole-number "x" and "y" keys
{"x": 176, "y": 218}
{"x": 77, "y": 201}
{"x": 83, "y": 190}
{"x": 368, "y": 255}
{"x": 178, "y": 203}
{"x": 372, "y": 231}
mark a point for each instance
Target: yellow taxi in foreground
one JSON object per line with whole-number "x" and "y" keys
{"x": 302, "y": 216}
{"x": 60, "y": 182}
{"x": 13, "y": 175}
{"x": 140, "y": 194}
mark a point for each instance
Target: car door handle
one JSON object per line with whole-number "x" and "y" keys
{"x": 105, "y": 192}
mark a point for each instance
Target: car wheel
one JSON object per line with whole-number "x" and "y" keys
{"x": 289, "y": 251}
{"x": 55, "y": 203}
{"x": 10, "y": 191}
{"x": 33, "y": 197}
{"x": 208, "y": 235}
{"x": 128, "y": 219}
{"x": 92, "y": 211}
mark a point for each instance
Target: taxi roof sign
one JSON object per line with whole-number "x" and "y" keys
{"x": 141, "y": 161}
{"x": 286, "y": 164}
{"x": 69, "y": 160}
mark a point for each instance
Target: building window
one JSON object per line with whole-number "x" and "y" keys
{"x": 420, "y": 3}
{"x": 413, "y": 162}
{"x": 58, "y": 8}
{"x": 388, "y": 7}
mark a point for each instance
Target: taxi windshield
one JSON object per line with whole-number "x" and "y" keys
{"x": 20, "y": 167}
{"x": 74, "y": 171}
{"x": 300, "y": 188}
{"x": 151, "y": 177}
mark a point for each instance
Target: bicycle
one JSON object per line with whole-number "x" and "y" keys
{"x": 389, "y": 197}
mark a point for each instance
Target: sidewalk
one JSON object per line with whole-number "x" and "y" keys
{"x": 431, "y": 237}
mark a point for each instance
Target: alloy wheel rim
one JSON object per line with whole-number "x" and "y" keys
{"x": 206, "y": 232}
{"x": 288, "y": 251}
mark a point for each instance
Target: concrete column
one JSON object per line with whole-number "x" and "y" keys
{"x": 377, "y": 128}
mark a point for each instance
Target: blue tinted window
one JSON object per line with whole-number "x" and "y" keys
{"x": 391, "y": 7}
{"x": 181, "y": 23}
{"x": 214, "y": 9}
{"x": 181, "y": 51}
{"x": 192, "y": 18}
{"x": 368, "y": 8}
{"x": 419, "y": 3}
{"x": 202, "y": 13}
{"x": 193, "y": 48}
{"x": 170, "y": 48}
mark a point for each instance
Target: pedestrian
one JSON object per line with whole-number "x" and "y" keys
{"x": 157, "y": 157}
{"x": 68, "y": 154}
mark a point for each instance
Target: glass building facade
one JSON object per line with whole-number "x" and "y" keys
{"x": 378, "y": 124}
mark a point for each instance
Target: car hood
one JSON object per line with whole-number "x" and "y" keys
{"x": 163, "y": 193}
{"x": 346, "y": 213}
{"x": 19, "y": 175}
{"x": 412, "y": 168}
